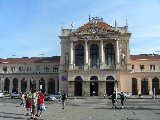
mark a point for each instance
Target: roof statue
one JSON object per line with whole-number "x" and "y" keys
{"x": 62, "y": 25}
{"x": 72, "y": 25}
{"x": 98, "y": 19}
{"x": 116, "y": 23}
{"x": 126, "y": 22}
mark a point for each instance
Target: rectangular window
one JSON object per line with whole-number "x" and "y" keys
{"x": 55, "y": 69}
{"x": 132, "y": 67}
{"x": 13, "y": 68}
{"x": 28, "y": 68}
{"x": 46, "y": 68}
{"x": 142, "y": 67}
{"x": 20, "y": 68}
{"x": 152, "y": 67}
{"x": 38, "y": 67}
{"x": 4, "y": 69}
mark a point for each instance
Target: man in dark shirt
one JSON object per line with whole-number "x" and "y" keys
{"x": 122, "y": 98}
{"x": 114, "y": 100}
{"x": 63, "y": 98}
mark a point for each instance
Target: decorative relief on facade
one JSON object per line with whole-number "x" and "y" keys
{"x": 95, "y": 29}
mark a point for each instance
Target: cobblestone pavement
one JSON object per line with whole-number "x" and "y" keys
{"x": 85, "y": 109}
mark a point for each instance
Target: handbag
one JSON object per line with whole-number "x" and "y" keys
{"x": 43, "y": 108}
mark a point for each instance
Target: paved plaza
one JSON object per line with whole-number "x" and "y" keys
{"x": 85, "y": 109}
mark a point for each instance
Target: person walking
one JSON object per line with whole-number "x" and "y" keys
{"x": 122, "y": 99}
{"x": 63, "y": 98}
{"x": 34, "y": 105}
{"x": 114, "y": 100}
{"x": 93, "y": 93}
{"x": 28, "y": 102}
{"x": 40, "y": 104}
{"x": 22, "y": 99}
{"x": 104, "y": 94}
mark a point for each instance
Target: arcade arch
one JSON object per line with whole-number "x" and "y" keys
{"x": 110, "y": 85}
{"x": 51, "y": 86}
{"x": 94, "y": 85}
{"x": 78, "y": 86}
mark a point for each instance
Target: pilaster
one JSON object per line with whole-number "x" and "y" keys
{"x": 139, "y": 85}
{"x": 117, "y": 55}
{"x": 46, "y": 85}
{"x": 19, "y": 85}
{"x": 11, "y": 86}
{"x": 71, "y": 56}
{"x": 150, "y": 86}
{"x": 86, "y": 56}
{"x": 101, "y": 55}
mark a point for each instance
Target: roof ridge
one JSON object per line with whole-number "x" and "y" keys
{"x": 100, "y": 24}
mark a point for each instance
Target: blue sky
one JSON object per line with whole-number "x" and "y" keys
{"x": 30, "y": 28}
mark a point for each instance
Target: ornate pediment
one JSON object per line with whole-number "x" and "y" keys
{"x": 94, "y": 29}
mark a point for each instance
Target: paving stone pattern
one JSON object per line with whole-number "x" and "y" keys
{"x": 87, "y": 109}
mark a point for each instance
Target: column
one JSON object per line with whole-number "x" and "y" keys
{"x": 115, "y": 88}
{"x": 150, "y": 86}
{"x": 159, "y": 82}
{"x": 11, "y": 86}
{"x": 46, "y": 85}
{"x": 71, "y": 56}
{"x": 117, "y": 55}
{"x": 37, "y": 84}
{"x": 56, "y": 84}
{"x": 19, "y": 85}
{"x": 139, "y": 85}
{"x": 128, "y": 53}
{"x": 101, "y": 55}
{"x": 86, "y": 56}
{"x": 2, "y": 84}
{"x": 28, "y": 85}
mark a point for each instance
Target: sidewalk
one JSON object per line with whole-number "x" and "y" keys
{"x": 132, "y": 97}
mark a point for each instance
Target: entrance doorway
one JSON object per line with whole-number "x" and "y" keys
{"x": 134, "y": 86}
{"x": 6, "y": 85}
{"x": 110, "y": 85}
{"x": 144, "y": 86}
{"x": 109, "y": 88}
{"x": 42, "y": 85}
{"x": 155, "y": 84}
{"x": 23, "y": 85}
{"x": 78, "y": 86}
{"x": 51, "y": 86}
{"x": 32, "y": 84}
{"x": 15, "y": 85}
{"x": 94, "y": 85}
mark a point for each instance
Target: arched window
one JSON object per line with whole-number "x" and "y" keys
{"x": 94, "y": 78}
{"x": 94, "y": 55}
{"x": 79, "y": 55}
{"x": 110, "y": 78}
{"x": 109, "y": 54}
